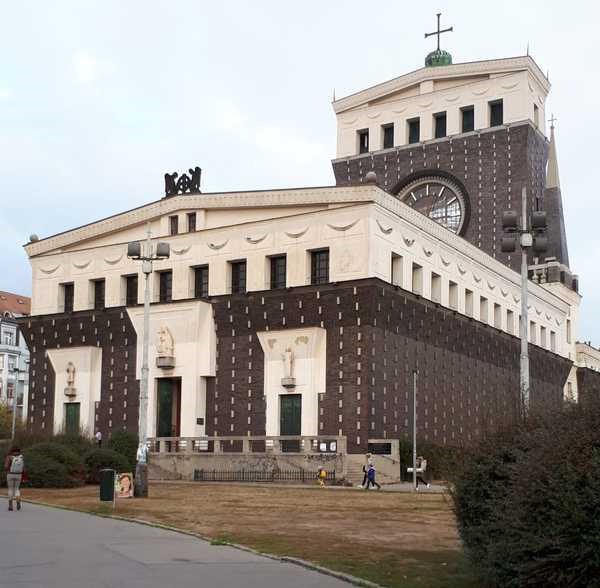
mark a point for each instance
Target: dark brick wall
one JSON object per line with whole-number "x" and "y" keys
{"x": 588, "y": 384}
{"x": 376, "y": 335}
{"x": 109, "y": 329}
{"x": 493, "y": 166}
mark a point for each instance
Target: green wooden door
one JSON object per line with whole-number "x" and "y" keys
{"x": 290, "y": 420}
{"x": 165, "y": 408}
{"x": 72, "y": 418}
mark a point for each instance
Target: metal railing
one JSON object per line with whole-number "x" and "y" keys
{"x": 275, "y": 475}
{"x": 249, "y": 445}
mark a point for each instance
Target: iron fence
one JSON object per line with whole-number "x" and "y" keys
{"x": 300, "y": 476}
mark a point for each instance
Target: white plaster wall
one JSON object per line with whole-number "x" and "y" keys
{"x": 519, "y": 91}
{"x": 192, "y": 327}
{"x": 88, "y": 375}
{"x": 309, "y": 347}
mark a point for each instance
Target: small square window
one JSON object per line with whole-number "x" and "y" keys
{"x": 238, "y": 277}
{"x": 440, "y": 124}
{"x": 278, "y": 272}
{"x": 468, "y": 119}
{"x": 319, "y": 271}
{"x": 165, "y": 286}
{"x": 363, "y": 141}
{"x": 388, "y": 136}
{"x": 496, "y": 113}
{"x": 173, "y": 225}
{"x": 201, "y": 282}
{"x": 68, "y": 296}
{"x": 414, "y": 130}
{"x": 191, "y": 218}
{"x": 131, "y": 290}
{"x": 99, "y": 289}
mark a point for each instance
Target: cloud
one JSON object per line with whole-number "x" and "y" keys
{"x": 230, "y": 117}
{"x": 288, "y": 144}
{"x": 88, "y": 69}
{"x": 5, "y": 93}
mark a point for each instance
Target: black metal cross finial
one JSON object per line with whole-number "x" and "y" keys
{"x": 552, "y": 121}
{"x": 438, "y": 32}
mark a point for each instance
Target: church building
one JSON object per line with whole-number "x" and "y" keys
{"x": 305, "y": 311}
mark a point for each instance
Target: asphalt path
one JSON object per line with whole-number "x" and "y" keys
{"x": 43, "y": 547}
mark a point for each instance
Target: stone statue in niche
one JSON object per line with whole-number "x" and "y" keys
{"x": 288, "y": 380}
{"x": 185, "y": 184}
{"x": 165, "y": 349}
{"x": 70, "y": 389}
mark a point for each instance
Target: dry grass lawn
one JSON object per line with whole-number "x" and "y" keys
{"x": 395, "y": 539}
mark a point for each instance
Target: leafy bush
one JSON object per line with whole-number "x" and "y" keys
{"x": 79, "y": 444}
{"x": 45, "y": 472}
{"x": 126, "y": 444}
{"x": 5, "y": 421}
{"x": 24, "y": 438}
{"x": 527, "y": 502}
{"x": 98, "y": 459}
{"x": 63, "y": 455}
{"x": 4, "y": 449}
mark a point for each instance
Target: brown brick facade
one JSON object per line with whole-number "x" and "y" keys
{"x": 588, "y": 384}
{"x": 109, "y": 329}
{"x": 492, "y": 165}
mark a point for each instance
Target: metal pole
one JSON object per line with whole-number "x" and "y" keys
{"x": 15, "y": 394}
{"x": 524, "y": 313}
{"x": 141, "y": 469}
{"x": 414, "y": 443}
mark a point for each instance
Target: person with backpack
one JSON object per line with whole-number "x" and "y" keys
{"x": 421, "y": 469}
{"x": 14, "y": 464}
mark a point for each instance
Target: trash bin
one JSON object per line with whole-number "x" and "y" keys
{"x": 107, "y": 485}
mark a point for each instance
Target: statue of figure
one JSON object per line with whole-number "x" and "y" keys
{"x": 288, "y": 363}
{"x": 183, "y": 184}
{"x": 166, "y": 345}
{"x": 142, "y": 453}
{"x": 170, "y": 185}
{"x": 70, "y": 375}
{"x": 195, "y": 179}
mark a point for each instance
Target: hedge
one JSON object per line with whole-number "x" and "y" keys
{"x": 126, "y": 444}
{"x": 45, "y": 472}
{"x": 98, "y": 459}
{"x": 527, "y": 502}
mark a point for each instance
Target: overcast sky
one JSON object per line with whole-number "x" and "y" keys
{"x": 99, "y": 99}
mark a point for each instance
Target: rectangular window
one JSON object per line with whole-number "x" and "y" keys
{"x": 439, "y": 120}
{"x": 568, "y": 331}
{"x": 8, "y": 338}
{"x": 191, "y": 217}
{"x": 417, "y": 278}
{"x": 497, "y": 316}
{"x": 99, "y": 289}
{"x": 388, "y": 136}
{"x": 2, "y": 362}
{"x": 436, "y": 287}
{"x": 468, "y": 302}
{"x": 12, "y": 362}
{"x": 496, "y": 113}
{"x": 68, "y": 291}
{"x": 10, "y": 389}
{"x": 238, "y": 277}
{"x": 319, "y": 266}
{"x": 201, "y": 282}
{"x": 453, "y": 295}
{"x": 397, "y": 269}
{"x": 510, "y": 322}
{"x": 165, "y": 286}
{"x": 468, "y": 119}
{"x": 532, "y": 332}
{"x": 553, "y": 341}
{"x": 131, "y": 290}
{"x": 278, "y": 272}
{"x": 484, "y": 316}
{"x": 414, "y": 130}
{"x": 173, "y": 225}
{"x": 363, "y": 141}
{"x": 536, "y": 115}
{"x": 543, "y": 342}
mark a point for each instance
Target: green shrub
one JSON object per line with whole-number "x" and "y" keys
{"x": 527, "y": 502}
{"x": 126, "y": 444}
{"x": 24, "y": 438}
{"x": 63, "y": 455}
{"x": 442, "y": 460}
{"x": 4, "y": 449}
{"x": 98, "y": 459}
{"x": 79, "y": 444}
{"x": 45, "y": 472}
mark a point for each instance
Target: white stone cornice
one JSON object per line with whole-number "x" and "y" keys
{"x": 255, "y": 199}
{"x": 494, "y": 66}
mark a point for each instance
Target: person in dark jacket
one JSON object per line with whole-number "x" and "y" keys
{"x": 371, "y": 477}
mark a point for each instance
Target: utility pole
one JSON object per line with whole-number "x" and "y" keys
{"x": 16, "y": 371}
{"x": 414, "y": 443}
{"x": 528, "y": 236}
{"x": 145, "y": 253}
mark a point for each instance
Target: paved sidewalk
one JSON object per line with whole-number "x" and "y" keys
{"x": 43, "y": 547}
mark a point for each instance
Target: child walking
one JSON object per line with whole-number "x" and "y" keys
{"x": 14, "y": 464}
{"x": 371, "y": 478}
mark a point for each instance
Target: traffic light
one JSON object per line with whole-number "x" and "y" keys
{"x": 510, "y": 227}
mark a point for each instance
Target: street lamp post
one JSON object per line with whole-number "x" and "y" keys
{"x": 528, "y": 236}
{"x": 16, "y": 371}
{"x": 146, "y": 253}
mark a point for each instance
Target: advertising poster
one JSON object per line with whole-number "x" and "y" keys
{"x": 124, "y": 485}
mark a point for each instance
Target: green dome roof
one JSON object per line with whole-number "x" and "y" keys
{"x": 438, "y": 57}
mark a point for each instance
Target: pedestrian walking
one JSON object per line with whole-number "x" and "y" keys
{"x": 422, "y": 466}
{"x": 322, "y": 476}
{"x": 14, "y": 464}
{"x": 98, "y": 438}
{"x": 371, "y": 478}
{"x": 365, "y": 469}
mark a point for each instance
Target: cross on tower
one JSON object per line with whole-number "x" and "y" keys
{"x": 438, "y": 32}
{"x": 552, "y": 121}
